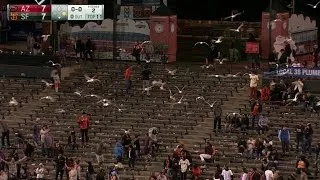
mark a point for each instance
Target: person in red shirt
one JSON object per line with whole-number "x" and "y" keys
{"x": 196, "y": 172}
{"x": 127, "y": 77}
{"x": 256, "y": 109}
{"x": 83, "y": 122}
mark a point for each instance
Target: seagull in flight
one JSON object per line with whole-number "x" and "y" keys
{"x": 314, "y": 6}
{"x": 171, "y": 72}
{"x": 238, "y": 29}
{"x": 146, "y": 42}
{"x": 201, "y": 43}
{"x": 295, "y": 99}
{"x": 148, "y": 88}
{"x": 47, "y": 83}
{"x": 48, "y": 98}
{"x": 13, "y": 102}
{"x": 234, "y": 75}
{"x": 214, "y": 75}
{"x": 54, "y": 64}
{"x": 45, "y": 37}
{"x": 105, "y": 102}
{"x": 159, "y": 83}
{"x": 118, "y": 108}
{"x": 233, "y": 16}
{"x": 172, "y": 95}
{"x": 126, "y": 131}
{"x": 202, "y": 98}
{"x": 180, "y": 90}
{"x": 77, "y": 92}
{"x": 221, "y": 60}
{"x": 89, "y": 79}
{"x": 178, "y": 102}
{"x": 93, "y": 95}
{"x": 219, "y": 40}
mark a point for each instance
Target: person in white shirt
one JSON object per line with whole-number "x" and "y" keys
{"x": 184, "y": 164}
{"x": 40, "y": 171}
{"x": 298, "y": 85}
{"x": 227, "y": 173}
{"x": 244, "y": 175}
{"x": 254, "y": 78}
{"x": 269, "y": 174}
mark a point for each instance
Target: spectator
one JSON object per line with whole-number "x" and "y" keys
{"x": 30, "y": 42}
{"x": 227, "y": 173}
{"x": 36, "y": 131}
{"x": 146, "y": 79}
{"x": 118, "y": 152}
{"x": 254, "y": 78}
{"x": 284, "y": 137}
{"x": 56, "y": 80}
{"x": 308, "y": 133}
{"x": 78, "y": 169}
{"x": 254, "y": 174}
{"x": 99, "y": 152}
{"x": 136, "y": 146}
{"x": 5, "y": 133}
{"x": 84, "y": 121}
{"x": 43, "y": 133}
{"x": 131, "y": 157}
{"x": 262, "y": 125}
{"x": 244, "y": 175}
{"x": 184, "y": 165}
{"x": 72, "y": 140}
{"x": 3, "y": 175}
{"x": 162, "y": 176}
{"x": 269, "y": 174}
{"x": 256, "y": 109}
{"x": 209, "y": 152}
{"x": 127, "y": 77}
{"x": 40, "y": 172}
{"x": 90, "y": 171}
{"x": 196, "y": 172}
{"x": 301, "y": 165}
{"x": 217, "y": 113}
{"x": 136, "y": 52}
{"x": 101, "y": 175}
{"x": 168, "y": 164}
{"x": 79, "y": 49}
{"x": 88, "y": 49}
{"x": 299, "y": 137}
{"x": 60, "y": 163}
{"x": 217, "y": 174}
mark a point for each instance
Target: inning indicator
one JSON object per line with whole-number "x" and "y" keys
{"x": 28, "y": 12}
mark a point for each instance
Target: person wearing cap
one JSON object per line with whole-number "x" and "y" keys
{"x": 40, "y": 171}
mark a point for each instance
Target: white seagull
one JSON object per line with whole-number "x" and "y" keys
{"x": 180, "y": 90}
{"x": 314, "y": 6}
{"x": 233, "y": 114}
{"x": 54, "y": 64}
{"x": 45, "y": 37}
{"x": 219, "y": 40}
{"x": 118, "y": 108}
{"x": 207, "y": 66}
{"x": 178, "y": 102}
{"x": 93, "y": 95}
{"x": 105, "y": 102}
{"x": 171, "y": 72}
{"x": 172, "y": 95}
{"x": 13, "y": 102}
{"x": 60, "y": 110}
{"x": 233, "y": 16}
{"x": 238, "y": 29}
{"x": 48, "y": 98}
{"x": 221, "y": 60}
{"x": 89, "y": 79}
{"x": 126, "y": 131}
{"x": 159, "y": 83}
{"x": 146, "y": 42}
{"x": 201, "y": 43}
{"x": 47, "y": 83}
{"x": 199, "y": 98}
{"x": 215, "y": 75}
{"x": 77, "y": 92}
{"x": 295, "y": 99}
{"x": 148, "y": 88}
{"x": 234, "y": 75}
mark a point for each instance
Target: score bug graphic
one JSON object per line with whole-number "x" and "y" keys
{"x": 76, "y": 12}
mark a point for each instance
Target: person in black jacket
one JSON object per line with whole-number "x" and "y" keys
{"x": 79, "y": 49}
{"x": 60, "y": 163}
{"x": 217, "y": 113}
{"x": 88, "y": 49}
{"x": 131, "y": 157}
{"x": 136, "y": 146}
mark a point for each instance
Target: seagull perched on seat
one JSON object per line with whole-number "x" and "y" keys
{"x": 233, "y": 16}
{"x": 47, "y": 83}
{"x": 13, "y": 102}
{"x": 221, "y": 60}
{"x": 171, "y": 72}
{"x": 48, "y": 98}
{"x": 93, "y": 95}
{"x": 77, "y": 92}
{"x": 207, "y": 66}
{"x": 233, "y": 114}
{"x": 314, "y": 6}
{"x": 54, "y": 64}
{"x": 60, "y": 110}
{"x": 218, "y": 41}
{"x": 180, "y": 90}
{"x": 201, "y": 43}
{"x": 89, "y": 79}
{"x": 105, "y": 102}
{"x": 238, "y": 29}
{"x": 45, "y": 37}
